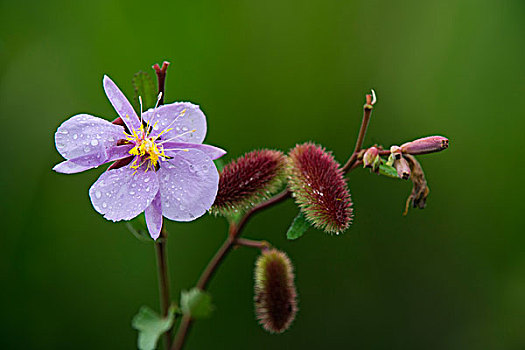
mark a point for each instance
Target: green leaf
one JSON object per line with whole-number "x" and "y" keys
{"x": 151, "y": 326}
{"x": 139, "y": 229}
{"x": 298, "y": 227}
{"x": 145, "y": 88}
{"x": 388, "y": 170}
{"x": 196, "y": 303}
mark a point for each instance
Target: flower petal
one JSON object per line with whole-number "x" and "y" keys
{"x": 123, "y": 193}
{"x": 121, "y": 104}
{"x": 84, "y": 134}
{"x": 188, "y": 185}
{"x": 68, "y": 167}
{"x": 212, "y": 151}
{"x": 107, "y": 155}
{"x": 182, "y": 126}
{"x": 153, "y": 215}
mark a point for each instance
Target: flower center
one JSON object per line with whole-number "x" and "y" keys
{"x": 145, "y": 148}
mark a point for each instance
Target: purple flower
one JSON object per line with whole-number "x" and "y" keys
{"x": 161, "y": 166}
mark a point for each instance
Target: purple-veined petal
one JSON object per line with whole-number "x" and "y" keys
{"x": 107, "y": 155}
{"x": 121, "y": 104}
{"x": 153, "y": 215}
{"x": 213, "y": 152}
{"x": 122, "y": 194}
{"x": 71, "y": 166}
{"x": 84, "y": 134}
{"x": 68, "y": 167}
{"x": 188, "y": 185}
{"x": 181, "y": 125}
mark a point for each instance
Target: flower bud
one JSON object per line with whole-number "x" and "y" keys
{"x": 248, "y": 180}
{"x": 425, "y": 145}
{"x": 370, "y": 157}
{"x": 402, "y": 167}
{"x": 275, "y": 295}
{"x": 319, "y": 188}
{"x": 395, "y": 152}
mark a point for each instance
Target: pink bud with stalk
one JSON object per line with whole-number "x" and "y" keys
{"x": 425, "y": 145}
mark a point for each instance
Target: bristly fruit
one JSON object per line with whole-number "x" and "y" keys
{"x": 319, "y": 188}
{"x": 248, "y": 180}
{"x": 275, "y": 295}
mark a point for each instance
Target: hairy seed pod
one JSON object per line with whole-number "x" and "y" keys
{"x": 248, "y": 180}
{"x": 425, "y": 145}
{"x": 319, "y": 188}
{"x": 402, "y": 167}
{"x": 275, "y": 295}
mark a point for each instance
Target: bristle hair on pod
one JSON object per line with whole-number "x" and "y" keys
{"x": 319, "y": 188}
{"x": 248, "y": 180}
{"x": 275, "y": 294}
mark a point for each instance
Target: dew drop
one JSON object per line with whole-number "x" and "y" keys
{"x": 75, "y": 137}
{"x": 86, "y": 149}
{"x": 98, "y": 194}
{"x": 132, "y": 192}
{"x": 104, "y": 205}
{"x": 94, "y": 142}
{"x": 146, "y": 180}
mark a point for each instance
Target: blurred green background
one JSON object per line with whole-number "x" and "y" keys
{"x": 270, "y": 74}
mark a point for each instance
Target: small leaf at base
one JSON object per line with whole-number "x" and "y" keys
{"x": 151, "y": 326}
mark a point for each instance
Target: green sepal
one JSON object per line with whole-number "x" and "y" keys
{"x": 388, "y": 170}
{"x": 138, "y": 228}
{"x": 145, "y": 88}
{"x": 196, "y": 303}
{"x": 151, "y": 326}
{"x": 298, "y": 227}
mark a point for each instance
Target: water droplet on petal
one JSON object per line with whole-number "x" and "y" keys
{"x": 104, "y": 205}
{"x": 75, "y": 137}
{"x": 98, "y": 194}
{"x": 94, "y": 142}
{"x": 146, "y": 180}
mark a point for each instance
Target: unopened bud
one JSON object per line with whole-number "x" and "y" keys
{"x": 425, "y": 145}
{"x": 395, "y": 151}
{"x": 402, "y": 167}
{"x": 370, "y": 156}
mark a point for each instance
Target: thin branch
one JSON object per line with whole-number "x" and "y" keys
{"x": 367, "y": 112}
{"x": 160, "y": 244}
{"x": 250, "y": 243}
{"x": 162, "y": 269}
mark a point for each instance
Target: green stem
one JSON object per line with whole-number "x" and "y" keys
{"x": 164, "y": 291}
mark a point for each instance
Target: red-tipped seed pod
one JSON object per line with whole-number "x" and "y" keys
{"x": 249, "y": 180}
{"x": 319, "y": 188}
{"x": 275, "y": 295}
{"x": 425, "y": 145}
